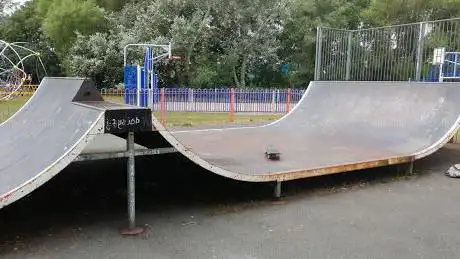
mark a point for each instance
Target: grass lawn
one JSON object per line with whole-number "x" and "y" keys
{"x": 192, "y": 119}
{"x": 172, "y": 119}
{"x": 8, "y": 108}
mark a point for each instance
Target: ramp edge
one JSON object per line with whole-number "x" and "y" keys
{"x": 52, "y": 170}
{"x": 310, "y": 85}
{"x": 440, "y": 143}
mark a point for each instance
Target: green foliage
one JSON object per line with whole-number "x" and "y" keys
{"x": 222, "y": 43}
{"x": 111, "y": 5}
{"x": 249, "y": 33}
{"x": 387, "y": 12}
{"x": 206, "y": 75}
{"x": 96, "y": 56}
{"x": 66, "y": 17}
{"x": 24, "y": 26}
{"x": 299, "y": 38}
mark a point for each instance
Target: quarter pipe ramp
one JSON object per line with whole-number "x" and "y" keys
{"x": 52, "y": 129}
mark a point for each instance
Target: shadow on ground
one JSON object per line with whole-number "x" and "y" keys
{"x": 94, "y": 193}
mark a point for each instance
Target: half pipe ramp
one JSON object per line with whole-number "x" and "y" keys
{"x": 336, "y": 127}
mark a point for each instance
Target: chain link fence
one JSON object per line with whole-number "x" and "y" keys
{"x": 425, "y": 51}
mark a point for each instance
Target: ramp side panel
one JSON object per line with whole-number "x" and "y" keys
{"x": 337, "y": 125}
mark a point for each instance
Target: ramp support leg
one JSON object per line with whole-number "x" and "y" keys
{"x": 406, "y": 169}
{"x": 278, "y": 189}
{"x": 132, "y": 229}
{"x": 410, "y": 169}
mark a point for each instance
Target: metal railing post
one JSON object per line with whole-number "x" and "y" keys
{"x": 132, "y": 229}
{"x": 131, "y": 182}
{"x": 348, "y": 68}
{"x": 318, "y": 57}
{"x": 419, "y": 57}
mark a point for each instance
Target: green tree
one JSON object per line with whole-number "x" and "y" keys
{"x": 299, "y": 37}
{"x": 111, "y": 5}
{"x": 186, "y": 24}
{"x": 249, "y": 34}
{"x": 97, "y": 56}
{"x": 66, "y": 17}
{"x": 390, "y": 53}
{"x": 24, "y": 26}
{"x": 390, "y": 12}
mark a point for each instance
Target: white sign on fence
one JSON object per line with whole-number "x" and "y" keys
{"x": 438, "y": 56}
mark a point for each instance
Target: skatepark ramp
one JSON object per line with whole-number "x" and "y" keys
{"x": 53, "y": 128}
{"x": 336, "y": 127}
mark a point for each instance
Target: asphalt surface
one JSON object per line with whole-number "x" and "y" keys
{"x": 190, "y": 213}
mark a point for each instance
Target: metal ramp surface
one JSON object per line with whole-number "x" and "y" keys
{"x": 336, "y": 127}
{"x": 52, "y": 129}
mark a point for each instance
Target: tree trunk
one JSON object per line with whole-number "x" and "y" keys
{"x": 187, "y": 68}
{"x": 243, "y": 72}
{"x": 235, "y": 77}
{"x": 179, "y": 74}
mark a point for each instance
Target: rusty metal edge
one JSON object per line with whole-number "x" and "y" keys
{"x": 52, "y": 170}
{"x": 300, "y": 173}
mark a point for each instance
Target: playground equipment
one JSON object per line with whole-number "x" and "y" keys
{"x": 14, "y": 62}
{"x": 141, "y": 82}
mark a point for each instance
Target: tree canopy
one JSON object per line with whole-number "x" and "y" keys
{"x": 238, "y": 43}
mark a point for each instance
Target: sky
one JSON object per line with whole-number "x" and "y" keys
{"x": 17, "y": 2}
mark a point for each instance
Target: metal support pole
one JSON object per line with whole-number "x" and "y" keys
{"x": 150, "y": 90}
{"x": 455, "y": 64}
{"x": 132, "y": 229}
{"x": 318, "y": 57}
{"x": 278, "y": 189}
{"x": 348, "y": 68}
{"x": 410, "y": 169}
{"x": 131, "y": 182}
{"x": 139, "y": 84}
{"x": 441, "y": 77}
{"x": 419, "y": 58}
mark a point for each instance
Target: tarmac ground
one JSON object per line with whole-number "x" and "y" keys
{"x": 190, "y": 213}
